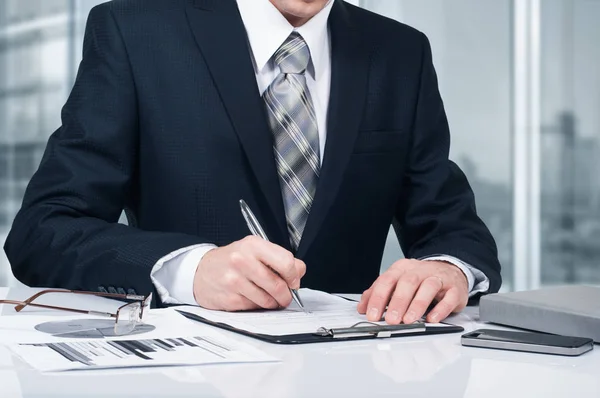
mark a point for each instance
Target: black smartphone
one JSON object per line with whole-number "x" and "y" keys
{"x": 527, "y": 342}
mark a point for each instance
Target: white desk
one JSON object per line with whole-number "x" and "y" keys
{"x": 429, "y": 366}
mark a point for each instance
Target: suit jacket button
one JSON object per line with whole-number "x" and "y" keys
{"x": 102, "y": 289}
{"x": 112, "y": 290}
{"x": 121, "y": 290}
{"x": 131, "y": 292}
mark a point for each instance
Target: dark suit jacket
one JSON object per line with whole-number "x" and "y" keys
{"x": 165, "y": 121}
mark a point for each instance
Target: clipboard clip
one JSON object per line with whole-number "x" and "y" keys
{"x": 374, "y": 329}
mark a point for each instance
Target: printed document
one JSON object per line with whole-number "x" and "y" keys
{"x": 324, "y": 310}
{"x": 173, "y": 340}
{"x": 102, "y": 353}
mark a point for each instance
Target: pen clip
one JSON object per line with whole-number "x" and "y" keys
{"x": 379, "y": 331}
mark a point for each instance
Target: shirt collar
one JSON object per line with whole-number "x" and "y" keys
{"x": 266, "y": 38}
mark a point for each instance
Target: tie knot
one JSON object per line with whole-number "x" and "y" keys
{"x": 293, "y": 55}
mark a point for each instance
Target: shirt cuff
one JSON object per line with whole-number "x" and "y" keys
{"x": 173, "y": 275}
{"x": 478, "y": 282}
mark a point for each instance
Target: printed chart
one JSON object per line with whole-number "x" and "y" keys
{"x": 192, "y": 350}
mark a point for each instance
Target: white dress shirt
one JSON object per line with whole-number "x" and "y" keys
{"x": 173, "y": 275}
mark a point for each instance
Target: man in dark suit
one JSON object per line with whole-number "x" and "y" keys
{"x": 325, "y": 118}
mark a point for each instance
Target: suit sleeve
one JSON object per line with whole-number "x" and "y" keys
{"x": 66, "y": 234}
{"x": 436, "y": 214}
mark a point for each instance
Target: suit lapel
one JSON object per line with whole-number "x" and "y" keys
{"x": 349, "y": 77}
{"x": 218, "y": 28}
{"x": 219, "y": 32}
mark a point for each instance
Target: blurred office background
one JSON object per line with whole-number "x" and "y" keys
{"x": 521, "y": 84}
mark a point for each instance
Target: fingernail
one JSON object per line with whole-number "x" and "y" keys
{"x": 410, "y": 317}
{"x": 373, "y": 314}
{"x": 434, "y": 317}
{"x": 295, "y": 284}
{"x": 394, "y": 316}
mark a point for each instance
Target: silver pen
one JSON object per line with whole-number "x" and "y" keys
{"x": 257, "y": 230}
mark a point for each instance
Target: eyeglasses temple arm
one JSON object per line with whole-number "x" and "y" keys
{"x": 52, "y": 307}
{"x": 17, "y": 303}
{"x": 29, "y": 301}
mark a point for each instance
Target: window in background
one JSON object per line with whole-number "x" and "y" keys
{"x": 40, "y": 45}
{"x": 4, "y": 166}
{"x": 33, "y": 10}
{"x": 570, "y": 143}
{"x": 471, "y": 43}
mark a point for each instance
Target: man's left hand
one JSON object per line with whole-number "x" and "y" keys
{"x": 408, "y": 288}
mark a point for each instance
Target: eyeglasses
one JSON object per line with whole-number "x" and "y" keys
{"x": 127, "y": 317}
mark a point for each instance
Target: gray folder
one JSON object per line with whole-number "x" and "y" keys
{"x": 564, "y": 310}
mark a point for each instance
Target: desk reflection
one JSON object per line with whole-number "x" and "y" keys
{"x": 269, "y": 380}
{"x": 10, "y": 385}
{"x": 497, "y": 373}
{"x": 413, "y": 366}
{"x": 415, "y": 361}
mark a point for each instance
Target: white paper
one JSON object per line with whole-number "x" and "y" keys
{"x": 89, "y": 354}
{"x": 46, "y": 352}
{"x": 325, "y": 310}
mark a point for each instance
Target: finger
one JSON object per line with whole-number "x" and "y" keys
{"x": 256, "y": 295}
{"x": 427, "y": 292}
{"x": 380, "y": 297}
{"x": 300, "y": 269}
{"x": 275, "y": 257}
{"x": 237, "y": 302}
{"x": 403, "y": 295}
{"x": 364, "y": 299}
{"x": 263, "y": 277}
{"x": 448, "y": 304}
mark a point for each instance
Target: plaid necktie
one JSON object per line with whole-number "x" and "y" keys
{"x": 296, "y": 140}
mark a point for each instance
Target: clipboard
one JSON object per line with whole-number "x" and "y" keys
{"x": 359, "y": 331}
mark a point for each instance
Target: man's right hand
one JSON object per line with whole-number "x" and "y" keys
{"x": 248, "y": 274}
